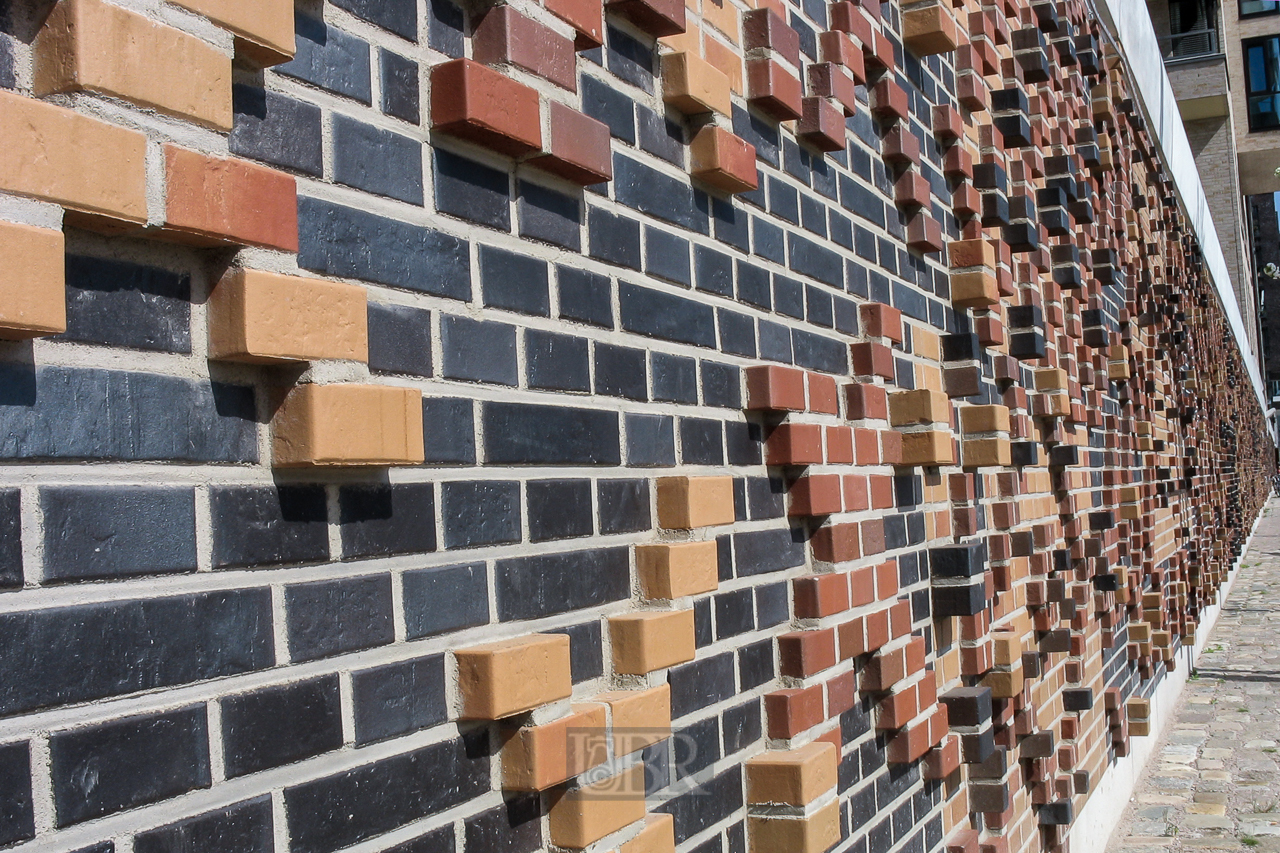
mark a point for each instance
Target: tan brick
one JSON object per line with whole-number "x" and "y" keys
{"x": 794, "y": 777}
{"x": 659, "y": 833}
{"x": 643, "y": 642}
{"x": 347, "y": 424}
{"x": 678, "y": 569}
{"x": 1051, "y": 379}
{"x": 535, "y": 758}
{"x": 929, "y": 30}
{"x": 930, "y": 447}
{"x": 1004, "y": 685}
{"x": 971, "y": 253}
{"x": 33, "y": 293}
{"x": 584, "y": 815}
{"x": 815, "y": 833}
{"x": 90, "y": 46}
{"x": 265, "y": 318}
{"x": 640, "y": 717}
{"x": 688, "y": 502}
{"x": 977, "y": 289}
{"x": 919, "y": 407}
{"x": 985, "y": 452}
{"x": 263, "y": 28}
{"x": 83, "y": 164}
{"x": 507, "y": 677}
{"x": 985, "y": 418}
{"x": 723, "y": 160}
{"x": 211, "y": 201}
{"x": 694, "y": 86}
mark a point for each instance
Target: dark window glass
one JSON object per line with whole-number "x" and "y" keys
{"x": 1258, "y": 7}
{"x": 1262, "y": 82}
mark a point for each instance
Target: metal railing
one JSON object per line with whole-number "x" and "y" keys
{"x": 1190, "y": 45}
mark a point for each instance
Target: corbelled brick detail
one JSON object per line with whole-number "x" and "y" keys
{"x": 582, "y": 816}
{"x": 480, "y": 105}
{"x": 677, "y": 570}
{"x": 33, "y": 298}
{"x": 263, "y": 29}
{"x": 688, "y": 502}
{"x": 503, "y": 678}
{"x": 215, "y": 201}
{"x": 535, "y": 758}
{"x": 347, "y": 425}
{"x": 652, "y": 640}
{"x": 794, "y": 777}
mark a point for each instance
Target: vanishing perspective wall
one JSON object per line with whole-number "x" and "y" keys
{"x": 626, "y": 427}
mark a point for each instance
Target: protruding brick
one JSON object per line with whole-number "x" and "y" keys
{"x": 33, "y": 294}
{"x": 582, "y": 816}
{"x": 764, "y": 29}
{"x": 724, "y": 161}
{"x": 991, "y": 418}
{"x": 507, "y": 677}
{"x": 88, "y": 166}
{"x": 658, "y": 18}
{"x": 650, "y": 640}
{"x": 640, "y": 718}
{"x": 930, "y": 447}
{"x": 774, "y": 90}
{"x": 658, "y": 836}
{"x": 585, "y": 16}
{"x": 265, "y": 318}
{"x": 535, "y": 758}
{"x": 694, "y": 86}
{"x": 775, "y": 388}
{"x": 481, "y": 105}
{"x": 821, "y": 124}
{"x": 263, "y": 29}
{"x": 579, "y": 149}
{"x": 816, "y": 494}
{"x": 688, "y": 502}
{"x": 881, "y": 321}
{"x": 90, "y": 46}
{"x": 794, "y": 444}
{"x": 677, "y": 569}
{"x": 975, "y": 289}
{"x": 929, "y": 29}
{"x": 817, "y": 596}
{"x": 348, "y": 425}
{"x": 815, "y": 833}
{"x": 504, "y": 35}
{"x": 794, "y": 777}
{"x": 919, "y": 407}
{"x": 985, "y": 452}
{"x": 792, "y": 711}
{"x": 214, "y": 201}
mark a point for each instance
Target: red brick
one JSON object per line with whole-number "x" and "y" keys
{"x": 862, "y": 586}
{"x": 887, "y": 588}
{"x": 846, "y": 17}
{"x": 866, "y": 444}
{"x": 877, "y": 629}
{"x": 503, "y": 35}
{"x": 724, "y": 161}
{"x": 658, "y": 18}
{"x": 837, "y": 47}
{"x": 794, "y": 444}
{"x": 881, "y": 321}
{"x": 872, "y": 359}
{"x": 836, "y": 543}
{"x": 842, "y": 694}
{"x": 478, "y": 104}
{"x": 873, "y": 536}
{"x": 774, "y": 388}
{"x": 774, "y": 90}
{"x": 865, "y": 401}
{"x": 912, "y": 190}
{"x": 889, "y": 100}
{"x": 585, "y": 16}
{"x": 822, "y": 124}
{"x": 822, "y": 595}
{"x": 947, "y": 123}
{"x": 793, "y": 711}
{"x": 805, "y": 653}
{"x": 884, "y": 670}
{"x": 897, "y": 709}
{"x": 765, "y": 28}
{"x": 839, "y": 445}
{"x": 924, "y": 234}
{"x": 855, "y": 493}
{"x": 579, "y": 147}
{"x": 940, "y": 762}
{"x": 824, "y": 397}
{"x": 832, "y": 80}
{"x": 816, "y": 494}
{"x": 214, "y": 201}
{"x": 853, "y": 638}
{"x": 882, "y": 496}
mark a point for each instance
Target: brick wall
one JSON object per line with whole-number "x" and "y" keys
{"x": 634, "y": 428}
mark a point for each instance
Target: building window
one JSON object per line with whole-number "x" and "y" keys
{"x": 1262, "y": 82}
{"x": 1258, "y": 7}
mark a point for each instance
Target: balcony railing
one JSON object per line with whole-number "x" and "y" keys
{"x": 1192, "y": 44}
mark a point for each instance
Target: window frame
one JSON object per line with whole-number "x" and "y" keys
{"x": 1244, "y": 16}
{"x": 1245, "y": 45}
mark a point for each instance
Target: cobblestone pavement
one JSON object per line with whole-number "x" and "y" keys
{"x": 1214, "y": 780}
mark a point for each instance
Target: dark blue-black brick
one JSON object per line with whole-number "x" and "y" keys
{"x": 533, "y": 587}
{"x": 652, "y": 312}
{"x": 620, "y": 372}
{"x": 280, "y": 725}
{"x": 331, "y": 617}
{"x": 480, "y": 512}
{"x": 381, "y": 520}
{"x": 398, "y": 16}
{"x": 471, "y": 191}
{"x": 585, "y": 297}
{"x": 329, "y": 58}
{"x": 276, "y": 129}
{"x": 262, "y": 525}
{"x": 399, "y": 698}
{"x": 245, "y": 827}
{"x": 614, "y": 239}
{"x": 478, "y": 350}
{"x": 559, "y": 509}
{"x": 449, "y": 430}
{"x": 117, "y": 531}
{"x": 126, "y": 304}
{"x": 376, "y": 160}
{"x": 514, "y": 281}
{"x": 657, "y": 194}
{"x": 17, "y": 816}
{"x": 623, "y": 506}
{"x": 400, "y": 86}
{"x": 550, "y": 216}
{"x": 520, "y": 434}
{"x": 399, "y": 339}
{"x": 10, "y": 539}
{"x": 445, "y": 599}
{"x": 706, "y": 805}
{"x": 701, "y": 683}
{"x": 512, "y": 827}
{"x": 556, "y": 362}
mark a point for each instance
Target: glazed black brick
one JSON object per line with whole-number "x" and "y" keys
{"x": 128, "y": 305}
{"x": 605, "y": 104}
{"x": 586, "y": 650}
{"x": 629, "y": 58}
{"x": 480, "y": 512}
{"x": 701, "y": 442}
{"x": 713, "y": 271}
{"x": 449, "y": 433}
{"x": 377, "y": 161}
{"x": 7, "y": 79}
{"x": 666, "y": 256}
{"x": 706, "y": 805}
{"x": 965, "y": 600}
{"x": 81, "y": 413}
{"x": 398, "y": 16}
{"x": 968, "y": 706}
{"x": 17, "y": 818}
{"x": 1077, "y": 699}
{"x": 742, "y": 443}
{"x": 559, "y": 509}
{"x": 381, "y": 520}
{"x": 445, "y": 599}
{"x": 623, "y": 506}
{"x": 556, "y": 362}
{"x": 658, "y": 314}
{"x": 764, "y": 551}
{"x": 659, "y": 195}
{"x": 585, "y": 297}
{"x": 788, "y": 297}
{"x": 245, "y": 826}
{"x": 514, "y": 281}
{"x": 651, "y": 440}
{"x": 264, "y": 525}
{"x": 522, "y": 434}
{"x": 1023, "y": 453}
{"x": 695, "y": 747}
{"x": 807, "y": 257}
{"x": 674, "y": 378}
{"x": 613, "y": 239}
{"x": 399, "y": 698}
{"x": 818, "y": 352}
{"x": 1057, "y": 813}
{"x": 445, "y": 22}
{"x": 765, "y": 497}
{"x": 737, "y": 333}
{"x": 1063, "y": 455}
{"x": 771, "y": 605}
{"x": 742, "y": 726}
{"x": 550, "y": 216}
{"x": 128, "y": 763}
{"x": 478, "y": 350}
{"x": 721, "y": 385}
{"x": 775, "y": 342}
{"x": 399, "y": 339}
{"x": 329, "y": 58}
{"x": 340, "y": 810}
{"x": 512, "y": 827}
{"x": 660, "y": 136}
{"x": 755, "y": 664}
{"x": 533, "y": 587}
{"x": 280, "y": 725}
{"x": 343, "y": 241}
{"x": 701, "y": 683}
{"x": 620, "y": 372}
{"x": 331, "y": 617}
{"x": 735, "y": 613}
{"x": 958, "y": 561}
{"x": 117, "y": 531}
{"x": 470, "y": 191}
{"x": 276, "y": 129}
{"x": 10, "y": 539}
{"x": 400, "y": 86}
{"x": 93, "y": 651}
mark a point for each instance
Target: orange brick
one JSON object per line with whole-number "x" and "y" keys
{"x": 724, "y": 161}
{"x": 678, "y": 569}
{"x": 985, "y": 452}
{"x": 265, "y": 318}
{"x": 694, "y": 86}
{"x": 815, "y": 833}
{"x": 651, "y": 640}
{"x": 658, "y": 836}
{"x": 478, "y": 104}
{"x": 640, "y": 717}
{"x": 919, "y": 407}
{"x": 33, "y": 293}
{"x": 348, "y": 425}
{"x": 985, "y": 418}
{"x": 536, "y": 757}
{"x": 971, "y": 253}
{"x": 931, "y": 447}
{"x": 582, "y": 816}
{"x": 794, "y": 777}
{"x": 263, "y": 28}
{"x": 508, "y": 677}
{"x": 688, "y": 502}
{"x": 90, "y": 46}
{"x": 585, "y": 16}
{"x": 213, "y": 201}
{"x": 85, "y": 165}
{"x": 929, "y": 30}
{"x": 725, "y": 57}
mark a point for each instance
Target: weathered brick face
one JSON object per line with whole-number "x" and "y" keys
{"x": 624, "y": 426}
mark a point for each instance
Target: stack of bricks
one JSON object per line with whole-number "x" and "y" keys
{"x": 632, "y": 426}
